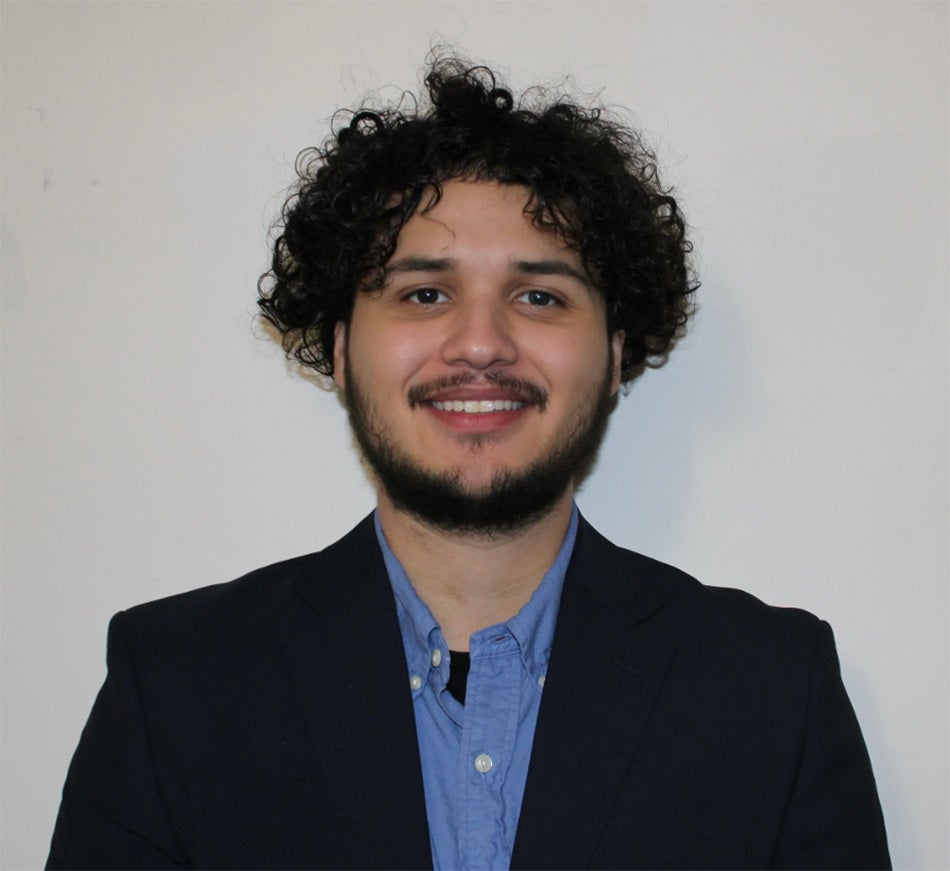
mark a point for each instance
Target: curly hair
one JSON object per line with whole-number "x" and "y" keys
{"x": 592, "y": 181}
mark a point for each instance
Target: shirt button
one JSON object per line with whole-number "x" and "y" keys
{"x": 436, "y": 658}
{"x": 415, "y": 682}
{"x": 541, "y": 681}
{"x": 483, "y": 763}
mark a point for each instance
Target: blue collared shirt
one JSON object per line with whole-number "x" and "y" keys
{"x": 475, "y": 756}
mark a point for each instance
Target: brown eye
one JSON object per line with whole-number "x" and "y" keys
{"x": 426, "y": 296}
{"x": 539, "y": 298}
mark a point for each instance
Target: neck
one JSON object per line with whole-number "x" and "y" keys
{"x": 472, "y": 581}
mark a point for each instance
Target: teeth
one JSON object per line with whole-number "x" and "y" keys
{"x": 478, "y": 406}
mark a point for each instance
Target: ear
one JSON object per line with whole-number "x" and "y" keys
{"x": 616, "y": 358}
{"x": 339, "y": 354}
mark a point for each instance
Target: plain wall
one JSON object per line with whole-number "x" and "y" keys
{"x": 795, "y": 445}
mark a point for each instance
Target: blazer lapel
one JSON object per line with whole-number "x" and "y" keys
{"x": 603, "y": 678}
{"x": 345, "y": 655}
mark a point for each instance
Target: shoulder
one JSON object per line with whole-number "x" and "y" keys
{"x": 666, "y": 599}
{"x": 255, "y": 599}
{"x": 256, "y": 589}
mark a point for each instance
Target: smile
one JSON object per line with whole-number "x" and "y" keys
{"x": 478, "y": 406}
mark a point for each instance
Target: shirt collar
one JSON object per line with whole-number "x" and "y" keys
{"x": 420, "y": 632}
{"x": 532, "y": 627}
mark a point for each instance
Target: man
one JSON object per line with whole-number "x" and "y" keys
{"x": 473, "y": 677}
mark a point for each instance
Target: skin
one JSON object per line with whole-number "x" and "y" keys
{"x": 474, "y": 292}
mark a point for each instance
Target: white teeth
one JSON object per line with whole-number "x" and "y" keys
{"x": 478, "y": 406}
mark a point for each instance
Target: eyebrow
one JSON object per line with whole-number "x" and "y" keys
{"x": 550, "y": 267}
{"x": 528, "y": 267}
{"x": 422, "y": 264}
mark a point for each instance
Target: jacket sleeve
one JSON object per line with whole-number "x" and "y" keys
{"x": 833, "y": 818}
{"x": 112, "y": 813}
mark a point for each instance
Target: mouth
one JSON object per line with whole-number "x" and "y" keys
{"x": 477, "y": 406}
{"x": 464, "y": 394}
{"x": 477, "y": 417}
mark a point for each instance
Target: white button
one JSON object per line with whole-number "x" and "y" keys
{"x": 415, "y": 681}
{"x": 541, "y": 681}
{"x": 483, "y": 763}
{"x": 436, "y": 657}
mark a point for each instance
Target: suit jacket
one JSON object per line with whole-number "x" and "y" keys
{"x": 267, "y": 723}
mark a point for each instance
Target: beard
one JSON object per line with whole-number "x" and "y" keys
{"x": 512, "y": 500}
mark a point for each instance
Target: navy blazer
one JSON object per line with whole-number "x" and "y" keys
{"x": 267, "y": 723}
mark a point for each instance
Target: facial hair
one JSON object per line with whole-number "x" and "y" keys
{"x": 514, "y": 498}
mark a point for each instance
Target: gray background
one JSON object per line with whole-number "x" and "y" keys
{"x": 795, "y": 445}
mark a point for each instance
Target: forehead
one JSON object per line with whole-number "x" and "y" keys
{"x": 481, "y": 216}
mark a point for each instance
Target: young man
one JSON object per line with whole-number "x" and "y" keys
{"x": 473, "y": 677}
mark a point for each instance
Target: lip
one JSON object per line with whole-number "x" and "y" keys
{"x": 478, "y": 421}
{"x": 485, "y": 406}
{"x": 473, "y": 396}
{"x": 493, "y": 388}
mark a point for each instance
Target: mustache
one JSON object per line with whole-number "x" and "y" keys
{"x": 522, "y": 390}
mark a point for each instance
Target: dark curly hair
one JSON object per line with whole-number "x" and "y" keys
{"x": 592, "y": 180}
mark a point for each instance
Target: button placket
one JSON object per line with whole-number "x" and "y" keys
{"x": 490, "y": 722}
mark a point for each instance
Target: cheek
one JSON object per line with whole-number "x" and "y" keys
{"x": 574, "y": 363}
{"x": 387, "y": 356}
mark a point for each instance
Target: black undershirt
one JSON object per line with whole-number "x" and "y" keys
{"x": 459, "y": 662}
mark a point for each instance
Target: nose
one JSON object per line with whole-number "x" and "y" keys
{"x": 480, "y": 337}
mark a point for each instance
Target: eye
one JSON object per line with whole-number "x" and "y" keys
{"x": 426, "y": 296}
{"x": 539, "y": 298}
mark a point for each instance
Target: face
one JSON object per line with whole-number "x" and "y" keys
{"x": 480, "y": 376}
